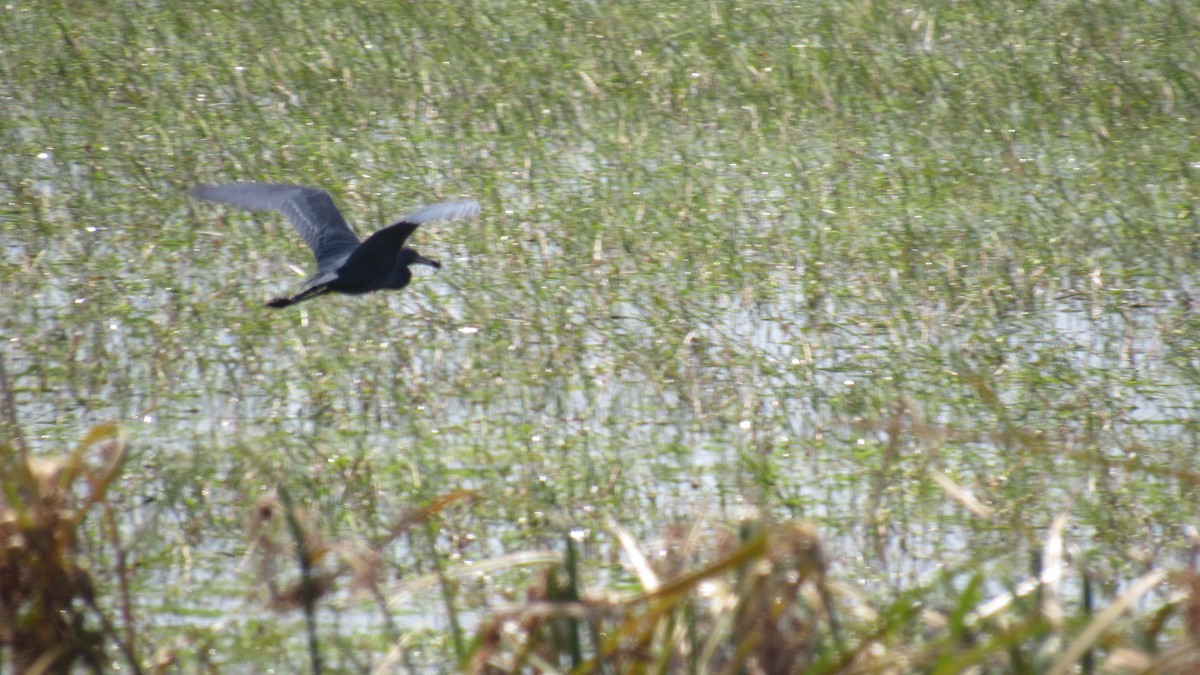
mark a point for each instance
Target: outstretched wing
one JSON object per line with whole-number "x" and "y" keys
{"x": 391, "y": 238}
{"x": 444, "y": 211}
{"x": 310, "y": 210}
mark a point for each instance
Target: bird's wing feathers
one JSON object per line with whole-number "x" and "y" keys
{"x": 444, "y": 211}
{"x": 391, "y": 238}
{"x": 310, "y": 210}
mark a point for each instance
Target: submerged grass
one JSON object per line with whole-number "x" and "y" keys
{"x": 916, "y": 282}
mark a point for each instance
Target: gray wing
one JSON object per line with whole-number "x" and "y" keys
{"x": 443, "y": 211}
{"x": 310, "y": 210}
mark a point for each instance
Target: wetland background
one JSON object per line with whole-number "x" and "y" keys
{"x": 911, "y": 284}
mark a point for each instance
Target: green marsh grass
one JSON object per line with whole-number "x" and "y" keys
{"x": 919, "y": 278}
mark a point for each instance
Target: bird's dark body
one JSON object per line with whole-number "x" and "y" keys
{"x": 344, "y": 265}
{"x": 360, "y": 285}
{"x": 358, "y": 279}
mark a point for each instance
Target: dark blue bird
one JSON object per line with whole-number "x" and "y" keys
{"x": 344, "y": 264}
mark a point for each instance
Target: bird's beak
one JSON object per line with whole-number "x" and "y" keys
{"x": 427, "y": 261}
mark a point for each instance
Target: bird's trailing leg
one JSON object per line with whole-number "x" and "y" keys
{"x": 280, "y": 303}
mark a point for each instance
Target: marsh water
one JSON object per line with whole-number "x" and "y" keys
{"x": 746, "y": 261}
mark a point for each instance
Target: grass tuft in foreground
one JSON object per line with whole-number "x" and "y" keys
{"x": 50, "y": 620}
{"x": 759, "y": 601}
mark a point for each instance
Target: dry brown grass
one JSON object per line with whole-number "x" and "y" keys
{"x": 49, "y": 616}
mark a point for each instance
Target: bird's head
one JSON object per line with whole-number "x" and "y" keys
{"x": 410, "y": 257}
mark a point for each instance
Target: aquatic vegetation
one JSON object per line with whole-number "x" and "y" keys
{"x": 860, "y": 333}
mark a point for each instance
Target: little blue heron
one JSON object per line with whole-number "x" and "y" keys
{"x": 344, "y": 264}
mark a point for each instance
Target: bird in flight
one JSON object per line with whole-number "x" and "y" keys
{"x": 344, "y": 264}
